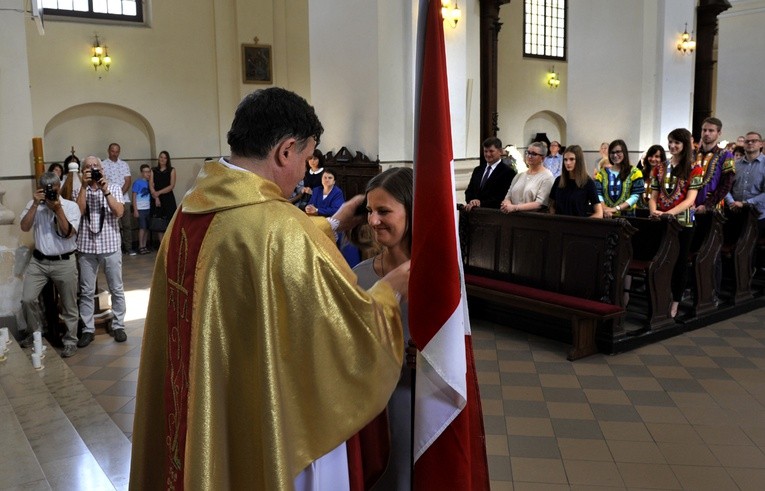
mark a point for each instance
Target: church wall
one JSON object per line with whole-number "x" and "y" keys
{"x": 605, "y": 72}
{"x": 674, "y": 71}
{"x": 740, "y": 101}
{"x": 344, "y": 71}
{"x": 627, "y": 79}
{"x": 522, "y": 90}
{"x": 15, "y": 140}
{"x": 395, "y": 75}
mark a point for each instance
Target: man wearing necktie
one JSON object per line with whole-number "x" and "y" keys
{"x": 490, "y": 180}
{"x": 99, "y": 242}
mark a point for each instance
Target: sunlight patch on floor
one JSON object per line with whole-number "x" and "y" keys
{"x": 136, "y": 303}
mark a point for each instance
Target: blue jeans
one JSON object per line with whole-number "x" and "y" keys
{"x": 89, "y": 264}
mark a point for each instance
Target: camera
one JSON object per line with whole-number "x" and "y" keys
{"x": 50, "y": 193}
{"x": 95, "y": 175}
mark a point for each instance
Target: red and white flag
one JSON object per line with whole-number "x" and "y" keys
{"x": 449, "y": 442}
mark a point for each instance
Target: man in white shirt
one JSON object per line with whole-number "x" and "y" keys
{"x": 117, "y": 172}
{"x": 54, "y": 222}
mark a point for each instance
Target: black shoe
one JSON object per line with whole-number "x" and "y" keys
{"x": 28, "y": 341}
{"x": 69, "y": 350}
{"x": 120, "y": 336}
{"x": 85, "y": 339}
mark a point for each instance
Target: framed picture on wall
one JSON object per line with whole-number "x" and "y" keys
{"x": 257, "y": 64}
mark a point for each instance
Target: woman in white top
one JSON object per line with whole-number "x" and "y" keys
{"x": 530, "y": 190}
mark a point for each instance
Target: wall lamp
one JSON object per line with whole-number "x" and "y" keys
{"x": 451, "y": 15}
{"x": 552, "y": 78}
{"x": 100, "y": 55}
{"x": 686, "y": 44}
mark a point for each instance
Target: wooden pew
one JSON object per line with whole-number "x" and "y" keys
{"x": 353, "y": 171}
{"x": 565, "y": 267}
{"x": 740, "y": 240}
{"x": 706, "y": 246}
{"x": 654, "y": 252}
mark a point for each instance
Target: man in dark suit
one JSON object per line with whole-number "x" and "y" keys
{"x": 490, "y": 180}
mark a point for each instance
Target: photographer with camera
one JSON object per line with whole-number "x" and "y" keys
{"x": 101, "y": 206}
{"x": 54, "y": 221}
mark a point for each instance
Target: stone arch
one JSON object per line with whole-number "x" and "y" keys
{"x": 548, "y": 122}
{"x": 90, "y": 127}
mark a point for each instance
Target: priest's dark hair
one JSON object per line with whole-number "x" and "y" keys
{"x": 266, "y": 117}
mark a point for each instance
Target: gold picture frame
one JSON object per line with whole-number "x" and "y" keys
{"x": 257, "y": 64}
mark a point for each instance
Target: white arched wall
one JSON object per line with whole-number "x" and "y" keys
{"x": 547, "y": 122}
{"x": 91, "y": 127}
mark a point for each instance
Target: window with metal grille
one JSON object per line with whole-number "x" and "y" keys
{"x": 120, "y": 10}
{"x": 544, "y": 29}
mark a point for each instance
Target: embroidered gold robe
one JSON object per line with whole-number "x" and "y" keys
{"x": 260, "y": 352}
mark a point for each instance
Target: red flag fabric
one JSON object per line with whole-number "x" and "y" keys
{"x": 449, "y": 441}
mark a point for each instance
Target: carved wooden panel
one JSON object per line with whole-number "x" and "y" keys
{"x": 528, "y": 257}
{"x": 353, "y": 171}
{"x": 581, "y": 259}
{"x": 484, "y": 253}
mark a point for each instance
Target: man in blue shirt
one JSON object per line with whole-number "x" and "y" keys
{"x": 749, "y": 186}
{"x": 554, "y": 161}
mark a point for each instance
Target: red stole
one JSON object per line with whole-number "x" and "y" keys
{"x": 181, "y": 257}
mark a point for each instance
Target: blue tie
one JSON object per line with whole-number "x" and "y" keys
{"x": 486, "y": 175}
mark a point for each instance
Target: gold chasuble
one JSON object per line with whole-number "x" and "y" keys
{"x": 260, "y": 352}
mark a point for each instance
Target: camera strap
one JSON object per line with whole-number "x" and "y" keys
{"x": 88, "y": 217}
{"x": 68, "y": 230}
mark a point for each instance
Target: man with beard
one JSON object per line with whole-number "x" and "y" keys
{"x": 717, "y": 165}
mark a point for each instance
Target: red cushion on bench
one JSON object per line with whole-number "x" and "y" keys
{"x": 638, "y": 265}
{"x": 561, "y": 299}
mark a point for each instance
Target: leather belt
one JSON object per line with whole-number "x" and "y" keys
{"x": 40, "y": 256}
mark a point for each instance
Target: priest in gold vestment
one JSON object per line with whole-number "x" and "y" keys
{"x": 261, "y": 354}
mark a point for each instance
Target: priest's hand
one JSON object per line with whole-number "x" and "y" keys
{"x": 349, "y": 215}
{"x": 398, "y": 279}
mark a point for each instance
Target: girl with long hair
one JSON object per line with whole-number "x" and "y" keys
{"x": 573, "y": 192}
{"x": 161, "y": 186}
{"x": 674, "y": 186}
{"x": 389, "y": 215}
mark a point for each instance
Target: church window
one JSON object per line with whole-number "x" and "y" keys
{"x": 544, "y": 29}
{"x": 108, "y": 10}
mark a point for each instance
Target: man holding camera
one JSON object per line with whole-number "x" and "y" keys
{"x": 100, "y": 203}
{"x": 54, "y": 221}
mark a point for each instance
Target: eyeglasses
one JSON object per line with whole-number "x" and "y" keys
{"x": 533, "y": 154}
{"x": 749, "y": 142}
{"x": 616, "y": 152}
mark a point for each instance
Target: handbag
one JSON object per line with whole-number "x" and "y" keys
{"x": 158, "y": 224}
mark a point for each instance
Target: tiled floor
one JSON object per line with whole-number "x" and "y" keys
{"x": 685, "y": 413}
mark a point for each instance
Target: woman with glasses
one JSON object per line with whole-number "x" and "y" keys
{"x": 674, "y": 186}
{"x": 573, "y": 192}
{"x": 530, "y": 190}
{"x": 620, "y": 185}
